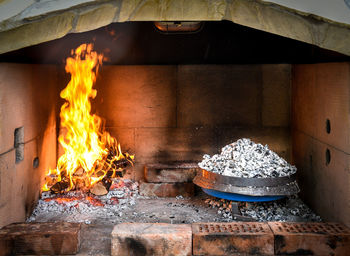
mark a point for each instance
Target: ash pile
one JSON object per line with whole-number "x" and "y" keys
{"x": 246, "y": 159}
{"x": 291, "y": 209}
{"x": 80, "y": 206}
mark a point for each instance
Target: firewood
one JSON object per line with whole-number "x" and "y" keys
{"x": 79, "y": 172}
{"x": 121, "y": 163}
{"x": 107, "y": 182}
{"x": 120, "y": 173}
{"x": 100, "y": 173}
{"x": 98, "y": 189}
{"x": 51, "y": 180}
{"x": 80, "y": 184}
{"x": 60, "y": 187}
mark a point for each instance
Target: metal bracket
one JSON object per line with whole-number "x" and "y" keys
{"x": 236, "y": 213}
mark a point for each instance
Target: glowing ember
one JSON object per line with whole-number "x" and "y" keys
{"x": 90, "y": 153}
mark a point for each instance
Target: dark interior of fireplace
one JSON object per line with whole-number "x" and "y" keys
{"x": 140, "y": 43}
{"x": 171, "y": 98}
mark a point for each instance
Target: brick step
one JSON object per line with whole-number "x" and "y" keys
{"x": 170, "y": 173}
{"x": 272, "y": 238}
{"x": 166, "y": 189}
{"x": 236, "y": 238}
{"x": 248, "y": 238}
{"x": 151, "y": 239}
{"x": 40, "y": 239}
{"x": 310, "y": 238}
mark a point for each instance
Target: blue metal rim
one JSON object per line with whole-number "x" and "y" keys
{"x": 239, "y": 197}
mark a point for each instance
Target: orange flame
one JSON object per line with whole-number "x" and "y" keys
{"x": 87, "y": 147}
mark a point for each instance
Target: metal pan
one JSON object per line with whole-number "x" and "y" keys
{"x": 279, "y": 186}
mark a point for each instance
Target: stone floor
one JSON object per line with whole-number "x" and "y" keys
{"x": 150, "y": 210}
{"x": 96, "y": 232}
{"x": 96, "y": 237}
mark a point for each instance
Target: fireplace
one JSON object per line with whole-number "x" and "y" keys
{"x": 169, "y": 97}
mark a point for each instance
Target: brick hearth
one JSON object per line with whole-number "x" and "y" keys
{"x": 237, "y": 238}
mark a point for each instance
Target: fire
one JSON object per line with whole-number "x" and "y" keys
{"x": 90, "y": 153}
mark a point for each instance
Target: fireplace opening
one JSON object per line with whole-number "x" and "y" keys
{"x": 169, "y": 99}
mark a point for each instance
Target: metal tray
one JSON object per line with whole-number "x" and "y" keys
{"x": 279, "y": 186}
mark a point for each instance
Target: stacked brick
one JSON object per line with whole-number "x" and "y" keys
{"x": 168, "y": 180}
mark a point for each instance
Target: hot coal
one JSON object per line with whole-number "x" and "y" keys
{"x": 124, "y": 204}
{"x": 289, "y": 209}
{"x": 121, "y": 204}
{"x": 78, "y": 206}
{"x": 246, "y": 159}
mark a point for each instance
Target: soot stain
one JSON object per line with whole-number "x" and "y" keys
{"x": 135, "y": 247}
{"x": 279, "y": 243}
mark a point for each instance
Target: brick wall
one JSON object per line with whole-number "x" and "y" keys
{"x": 169, "y": 113}
{"x": 27, "y": 99}
{"x": 321, "y": 138}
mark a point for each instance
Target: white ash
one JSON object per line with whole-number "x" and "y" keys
{"x": 76, "y": 206}
{"x": 289, "y": 209}
{"x": 246, "y": 159}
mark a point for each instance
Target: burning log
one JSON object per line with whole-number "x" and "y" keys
{"x": 99, "y": 189}
{"x": 90, "y": 153}
{"x": 121, "y": 163}
{"x": 81, "y": 180}
{"x": 120, "y": 173}
{"x": 79, "y": 172}
{"x": 60, "y": 187}
{"x": 107, "y": 182}
{"x": 51, "y": 179}
{"x": 82, "y": 184}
